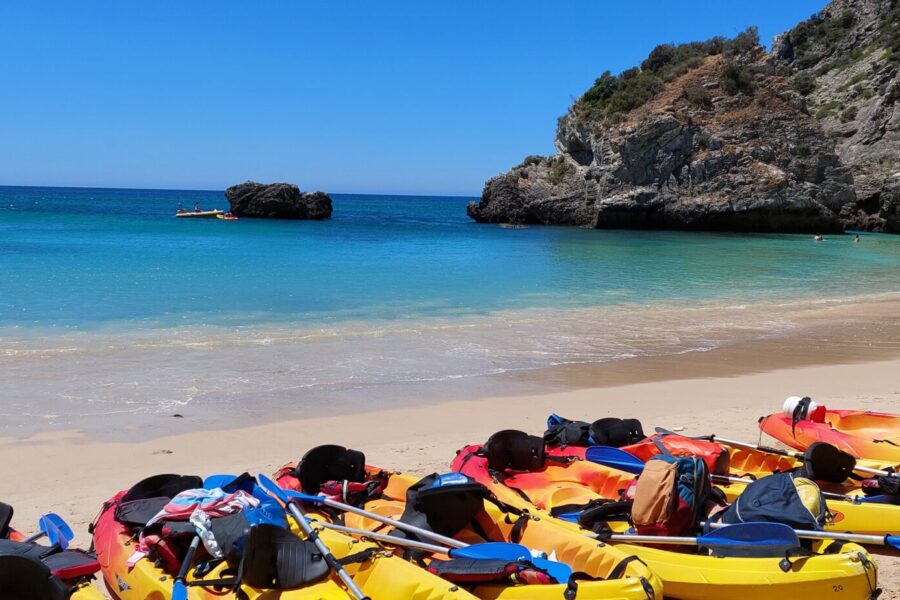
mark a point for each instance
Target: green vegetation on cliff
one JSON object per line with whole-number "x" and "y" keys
{"x": 612, "y": 95}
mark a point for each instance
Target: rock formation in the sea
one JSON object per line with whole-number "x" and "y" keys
{"x": 715, "y": 135}
{"x": 277, "y": 201}
{"x": 846, "y": 63}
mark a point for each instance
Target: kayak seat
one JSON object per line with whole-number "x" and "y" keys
{"x": 329, "y": 462}
{"x": 158, "y": 486}
{"x": 275, "y": 558}
{"x": 443, "y": 504}
{"x": 824, "y": 462}
{"x": 514, "y": 450}
{"x": 137, "y": 513}
{"x": 23, "y": 577}
{"x": 6, "y": 515}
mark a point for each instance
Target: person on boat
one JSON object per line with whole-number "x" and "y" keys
{"x": 181, "y": 209}
{"x": 818, "y": 237}
{"x": 197, "y": 207}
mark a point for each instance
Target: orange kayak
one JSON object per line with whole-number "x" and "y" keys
{"x": 864, "y": 434}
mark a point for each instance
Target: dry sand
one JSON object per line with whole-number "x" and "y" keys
{"x": 722, "y": 391}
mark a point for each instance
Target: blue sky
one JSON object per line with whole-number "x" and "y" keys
{"x": 381, "y": 97}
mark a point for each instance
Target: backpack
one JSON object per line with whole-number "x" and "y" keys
{"x": 779, "y": 498}
{"x": 671, "y": 494}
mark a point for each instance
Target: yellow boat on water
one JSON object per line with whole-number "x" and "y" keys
{"x": 199, "y": 214}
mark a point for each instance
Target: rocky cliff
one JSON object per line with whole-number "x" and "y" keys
{"x": 716, "y": 135}
{"x": 845, "y": 62}
{"x": 277, "y": 201}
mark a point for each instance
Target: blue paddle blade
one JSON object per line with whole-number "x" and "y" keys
{"x": 279, "y": 492}
{"x": 553, "y": 419}
{"x": 893, "y": 541}
{"x": 218, "y": 481}
{"x": 561, "y": 572}
{"x": 179, "y": 591}
{"x": 61, "y": 526}
{"x": 615, "y": 458}
{"x": 54, "y": 535}
{"x": 493, "y": 550}
{"x": 751, "y": 540}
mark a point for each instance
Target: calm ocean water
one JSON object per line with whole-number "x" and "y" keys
{"x": 110, "y": 305}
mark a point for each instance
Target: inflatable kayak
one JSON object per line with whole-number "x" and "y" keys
{"x": 121, "y": 529}
{"x": 30, "y": 570}
{"x": 835, "y": 569}
{"x": 199, "y": 214}
{"x": 864, "y": 434}
{"x": 227, "y": 217}
{"x": 455, "y": 506}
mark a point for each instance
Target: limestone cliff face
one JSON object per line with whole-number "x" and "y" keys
{"x": 714, "y": 136}
{"x": 846, "y": 60}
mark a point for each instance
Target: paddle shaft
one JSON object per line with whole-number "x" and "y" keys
{"x": 332, "y": 562}
{"x": 442, "y": 539}
{"x": 878, "y": 540}
{"x": 185, "y": 567}
{"x": 778, "y": 452}
{"x": 35, "y": 537}
{"x": 383, "y": 537}
{"x": 650, "y": 539}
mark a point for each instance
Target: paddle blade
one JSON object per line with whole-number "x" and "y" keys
{"x": 493, "y": 550}
{"x": 561, "y": 572}
{"x": 893, "y": 541}
{"x": 54, "y": 535}
{"x": 61, "y": 526}
{"x": 179, "y": 591}
{"x": 615, "y": 458}
{"x": 218, "y": 481}
{"x": 751, "y": 540}
{"x": 273, "y": 488}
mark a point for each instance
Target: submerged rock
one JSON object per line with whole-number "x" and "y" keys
{"x": 277, "y": 201}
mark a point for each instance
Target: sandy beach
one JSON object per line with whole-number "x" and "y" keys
{"x": 722, "y": 391}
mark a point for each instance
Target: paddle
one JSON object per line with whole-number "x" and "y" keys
{"x": 801, "y": 456}
{"x": 55, "y": 528}
{"x": 623, "y": 461}
{"x": 891, "y": 541}
{"x": 486, "y": 550}
{"x": 179, "y": 588}
{"x": 742, "y": 539}
{"x": 272, "y": 487}
{"x": 482, "y": 551}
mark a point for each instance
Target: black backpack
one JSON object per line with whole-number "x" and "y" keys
{"x": 773, "y": 499}
{"x": 609, "y": 431}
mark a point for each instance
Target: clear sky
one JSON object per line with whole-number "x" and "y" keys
{"x": 383, "y": 97}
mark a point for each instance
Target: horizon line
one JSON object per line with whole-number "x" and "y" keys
{"x": 167, "y": 189}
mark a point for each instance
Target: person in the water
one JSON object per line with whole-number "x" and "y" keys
{"x": 818, "y": 237}
{"x": 856, "y": 239}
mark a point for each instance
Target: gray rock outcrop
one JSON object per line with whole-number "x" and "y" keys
{"x": 277, "y": 201}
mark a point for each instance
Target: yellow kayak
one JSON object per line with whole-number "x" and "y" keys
{"x": 610, "y": 573}
{"x": 834, "y": 570}
{"x": 199, "y": 214}
{"x": 381, "y": 575}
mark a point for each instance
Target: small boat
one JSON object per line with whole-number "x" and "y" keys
{"x": 199, "y": 214}
{"x": 227, "y": 217}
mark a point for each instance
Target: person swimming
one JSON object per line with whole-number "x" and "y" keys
{"x": 818, "y": 237}
{"x": 856, "y": 239}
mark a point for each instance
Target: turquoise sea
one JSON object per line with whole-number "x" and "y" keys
{"x": 111, "y": 306}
